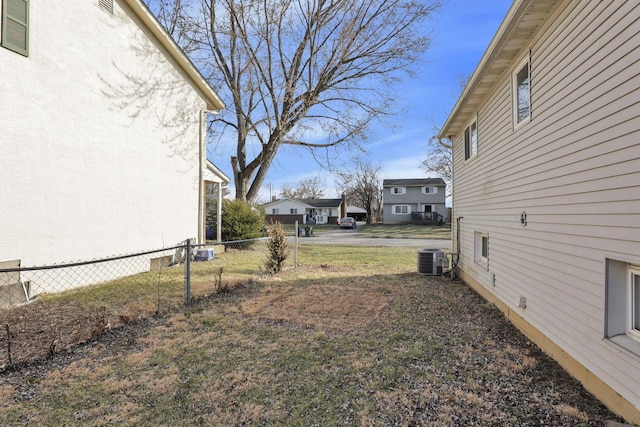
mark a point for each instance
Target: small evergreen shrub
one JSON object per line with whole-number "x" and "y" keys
{"x": 278, "y": 248}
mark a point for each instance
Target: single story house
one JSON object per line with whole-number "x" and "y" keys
{"x": 414, "y": 200}
{"x": 546, "y": 186}
{"x": 305, "y": 211}
{"x": 102, "y": 137}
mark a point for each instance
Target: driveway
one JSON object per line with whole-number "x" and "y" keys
{"x": 353, "y": 237}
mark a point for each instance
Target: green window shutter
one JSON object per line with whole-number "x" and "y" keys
{"x": 15, "y": 25}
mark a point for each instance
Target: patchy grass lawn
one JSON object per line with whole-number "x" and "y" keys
{"x": 317, "y": 229}
{"x": 405, "y": 231}
{"x": 359, "y": 341}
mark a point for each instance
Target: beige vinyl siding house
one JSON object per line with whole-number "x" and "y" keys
{"x": 101, "y": 135}
{"x": 546, "y": 213}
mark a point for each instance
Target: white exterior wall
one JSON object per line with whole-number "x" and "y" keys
{"x": 575, "y": 171}
{"x": 98, "y": 139}
{"x": 284, "y": 207}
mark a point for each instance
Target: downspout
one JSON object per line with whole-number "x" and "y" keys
{"x": 219, "y": 214}
{"x": 202, "y": 154}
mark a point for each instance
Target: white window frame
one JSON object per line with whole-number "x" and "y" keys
{"x": 517, "y": 120}
{"x": 471, "y": 144}
{"x": 398, "y": 190}
{"x": 622, "y": 304}
{"x": 395, "y": 209}
{"x": 429, "y": 190}
{"x": 481, "y": 248}
{"x": 633, "y": 309}
{"x": 293, "y": 211}
{"x": 275, "y": 211}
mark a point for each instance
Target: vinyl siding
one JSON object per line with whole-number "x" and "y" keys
{"x": 415, "y": 199}
{"x": 575, "y": 170}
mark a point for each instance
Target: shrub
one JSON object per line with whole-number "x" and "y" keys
{"x": 240, "y": 221}
{"x": 278, "y": 248}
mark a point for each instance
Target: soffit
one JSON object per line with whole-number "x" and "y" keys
{"x": 524, "y": 19}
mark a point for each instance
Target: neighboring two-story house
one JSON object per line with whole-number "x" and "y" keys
{"x": 546, "y": 186}
{"x": 102, "y": 132}
{"x": 305, "y": 211}
{"x": 414, "y": 200}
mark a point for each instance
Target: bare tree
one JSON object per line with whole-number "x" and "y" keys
{"x": 310, "y": 188}
{"x": 309, "y": 73}
{"x": 440, "y": 160}
{"x": 177, "y": 18}
{"x": 361, "y": 187}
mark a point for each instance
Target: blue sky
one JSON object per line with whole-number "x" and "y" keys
{"x": 461, "y": 32}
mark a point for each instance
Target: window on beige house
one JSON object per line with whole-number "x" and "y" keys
{"x": 522, "y": 93}
{"x": 622, "y": 311}
{"x": 481, "y": 248}
{"x": 471, "y": 140}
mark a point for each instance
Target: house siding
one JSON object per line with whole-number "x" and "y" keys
{"x": 99, "y": 139}
{"x": 574, "y": 170}
{"x": 415, "y": 199}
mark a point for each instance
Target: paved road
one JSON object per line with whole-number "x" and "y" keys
{"x": 353, "y": 237}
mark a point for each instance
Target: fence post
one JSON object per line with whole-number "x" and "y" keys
{"x": 295, "y": 246}
{"x": 187, "y": 274}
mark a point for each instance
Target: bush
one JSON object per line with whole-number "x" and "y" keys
{"x": 240, "y": 221}
{"x": 278, "y": 248}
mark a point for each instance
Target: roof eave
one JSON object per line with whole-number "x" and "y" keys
{"x": 215, "y": 170}
{"x": 513, "y": 35}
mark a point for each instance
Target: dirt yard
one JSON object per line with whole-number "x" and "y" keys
{"x": 323, "y": 345}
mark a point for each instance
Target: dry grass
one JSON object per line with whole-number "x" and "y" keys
{"x": 359, "y": 340}
{"x": 405, "y": 231}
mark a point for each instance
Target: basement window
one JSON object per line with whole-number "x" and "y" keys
{"x": 622, "y": 304}
{"x": 481, "y": 248}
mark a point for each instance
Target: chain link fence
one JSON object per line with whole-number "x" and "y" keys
{"x": 46, "y": 310}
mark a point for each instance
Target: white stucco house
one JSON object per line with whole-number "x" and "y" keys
{"x": 305, "y": 211}
{"x": 546, "y": 188}
{"x": 102, "y": 132}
